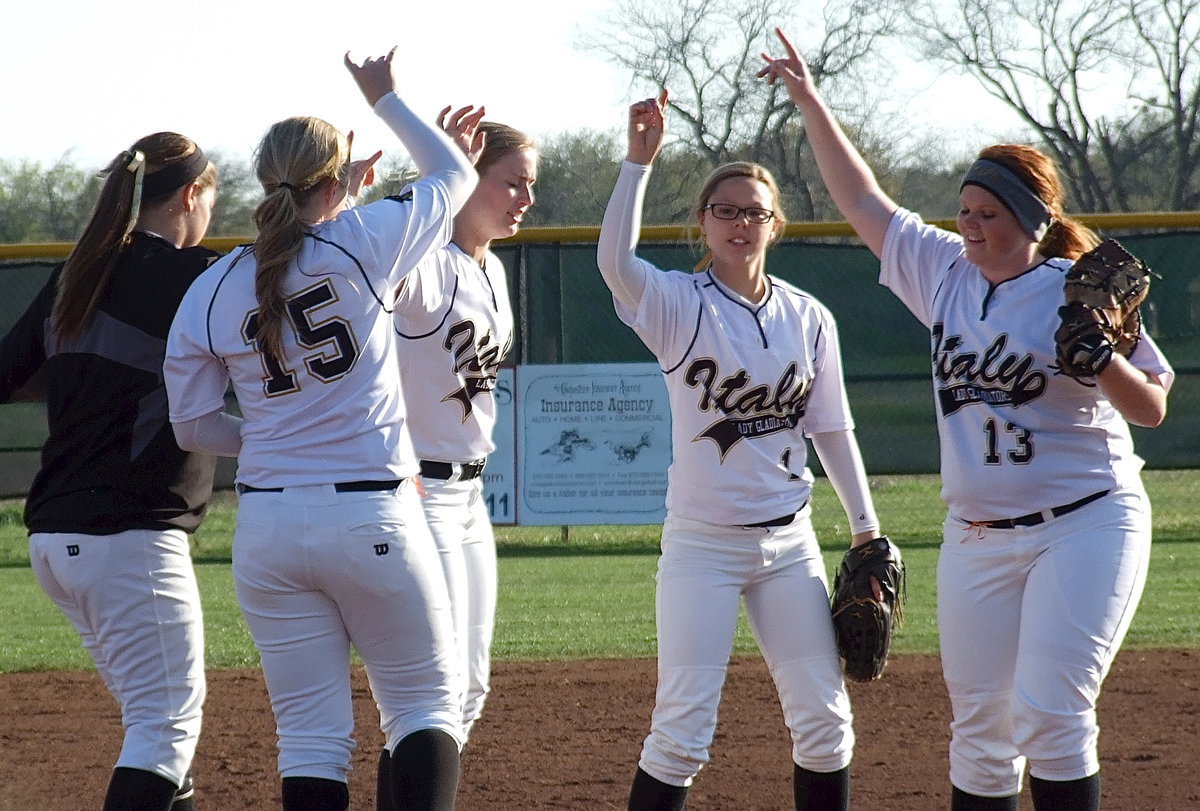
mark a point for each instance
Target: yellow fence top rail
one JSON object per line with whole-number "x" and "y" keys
{"x": 674, "y": 233}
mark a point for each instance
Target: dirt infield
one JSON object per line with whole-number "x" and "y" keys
{"x": 567, "y": 735}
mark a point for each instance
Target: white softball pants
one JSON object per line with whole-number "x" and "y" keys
{"x": 1030, "y": 622}
{"x": 458, "y": 519}
{"x": 132, "y": 597}
{"x": 704, "y": 572}
{"x": 317, "y": 571}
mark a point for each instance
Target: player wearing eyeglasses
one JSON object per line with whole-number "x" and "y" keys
{"x": 752, "y": 367}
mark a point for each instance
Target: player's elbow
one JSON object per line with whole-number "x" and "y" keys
{"x": 1147, "y": 411}
{"x": 185, "y": 437}
{"x": 1149, "y": 418}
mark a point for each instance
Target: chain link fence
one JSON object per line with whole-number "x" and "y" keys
{"x": 565, "y": 315}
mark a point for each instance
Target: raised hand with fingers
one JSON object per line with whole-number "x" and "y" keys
{"x": 792, "y": 70}
{"x": 647, "y": 124}
{"x": 373, "y": 75}
{"x": 463, "y": 128}
{"x": 360, "y": 173}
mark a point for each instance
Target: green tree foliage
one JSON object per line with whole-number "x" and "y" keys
{"x": 45, "y": 204}
{"x": 238, "y": 193}
{"x": 576, "y": 173}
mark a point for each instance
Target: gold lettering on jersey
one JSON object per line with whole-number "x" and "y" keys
{"x": 476, "y": 362}
{"x": 994, "y": 377}
{"x": 747, "y": 411}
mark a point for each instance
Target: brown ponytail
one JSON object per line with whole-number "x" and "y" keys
{"x": 1065, "y": 237}
{"x": 88, "y": 268}
{"x": 292, "y": 162}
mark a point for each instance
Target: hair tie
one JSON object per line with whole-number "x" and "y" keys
{"x": 136, "y": 165}
{"x": 285, "y": 185}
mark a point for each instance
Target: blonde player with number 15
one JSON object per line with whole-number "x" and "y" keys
{"x": 331, "y": 550}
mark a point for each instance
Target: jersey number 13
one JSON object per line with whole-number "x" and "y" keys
{"x": 1020, "y": 454}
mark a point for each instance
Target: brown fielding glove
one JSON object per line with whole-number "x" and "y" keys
{"x": 863, "y": 626}
{"x": 1103, "y": 291}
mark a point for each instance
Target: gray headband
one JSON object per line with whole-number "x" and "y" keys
{"x": 1033, "y": 215}
{"x": 176, "y": 175}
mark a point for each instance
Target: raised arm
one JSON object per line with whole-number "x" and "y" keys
{"x": 622, "y": 271}
{"x": 430, "y": 148}
{"x": 850, "y": 181}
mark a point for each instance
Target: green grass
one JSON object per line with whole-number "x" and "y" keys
{"x": 589, "y": 591}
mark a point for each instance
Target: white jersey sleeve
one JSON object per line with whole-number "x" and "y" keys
{"x": 390, "y": 236}
{"x": 195, "y": 376}
{"x": 915, "y": 259}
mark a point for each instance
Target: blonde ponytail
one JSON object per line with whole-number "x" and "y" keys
{"x": 293, "y": 162}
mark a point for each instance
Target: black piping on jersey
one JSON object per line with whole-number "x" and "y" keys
{"x": 357, "y": 264}
{"x": 395, "y": 198}
{"x": 208, "y": 316}
{"x": 695, "y": 332}
{"x": 440, "y": 324}
{"x": 491, "y": 289}
{"x": 754, "y": 311}
{"x": 992, "y": 287}
{"x": 247, "y": 249}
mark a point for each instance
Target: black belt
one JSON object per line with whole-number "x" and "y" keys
{"x": 1033, "y": 519}
{"x": 452, "y": 471}
{"x": 341, "y": 487}
{"x": 781, "y": 521}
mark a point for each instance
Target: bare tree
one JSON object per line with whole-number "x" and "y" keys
{"x": 707, "y": 53}
{"x": 1060, "y": 64}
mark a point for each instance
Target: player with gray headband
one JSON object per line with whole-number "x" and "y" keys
{"x": 1047, "y": 536}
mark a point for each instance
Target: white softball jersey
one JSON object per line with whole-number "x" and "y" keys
{"x": 455, "y": 325}
{"x": 331, "y": 409}
{"x": 1017, "y": 436}
{"x": 746, "y": 383}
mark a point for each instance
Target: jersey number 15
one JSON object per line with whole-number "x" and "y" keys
{"x": 332, "y": 339}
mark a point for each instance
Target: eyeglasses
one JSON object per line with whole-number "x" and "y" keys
{"x": 724, "y": 211}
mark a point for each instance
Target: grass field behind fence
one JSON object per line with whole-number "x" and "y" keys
{"x": 589, "y": 591}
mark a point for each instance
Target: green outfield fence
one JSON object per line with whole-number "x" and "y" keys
{"x": 565, "y": 315}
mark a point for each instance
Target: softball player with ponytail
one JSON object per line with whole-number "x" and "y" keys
{"x": 331, "y": 550}
{"x": 1048, "y": 534}
{"x": 752, "y": 368}
{"x": 456, "y": 326}
{"x": 111, "y": 508}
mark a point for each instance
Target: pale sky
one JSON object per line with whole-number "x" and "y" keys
{"x": 92, "y": 77}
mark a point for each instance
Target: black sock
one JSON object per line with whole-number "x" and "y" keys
{"x": 424, "y": 768}
{"x": 962, "y": 801}
{"x": 1066, "y": 795}
{"x": 138, "y": 790}
{"x": 315, "y": 794}
{"x": 185, "y": 795}
{"x": 651, "y": 794}
{"x": 821, "y": 791}
{"x": 384, "y": 801}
